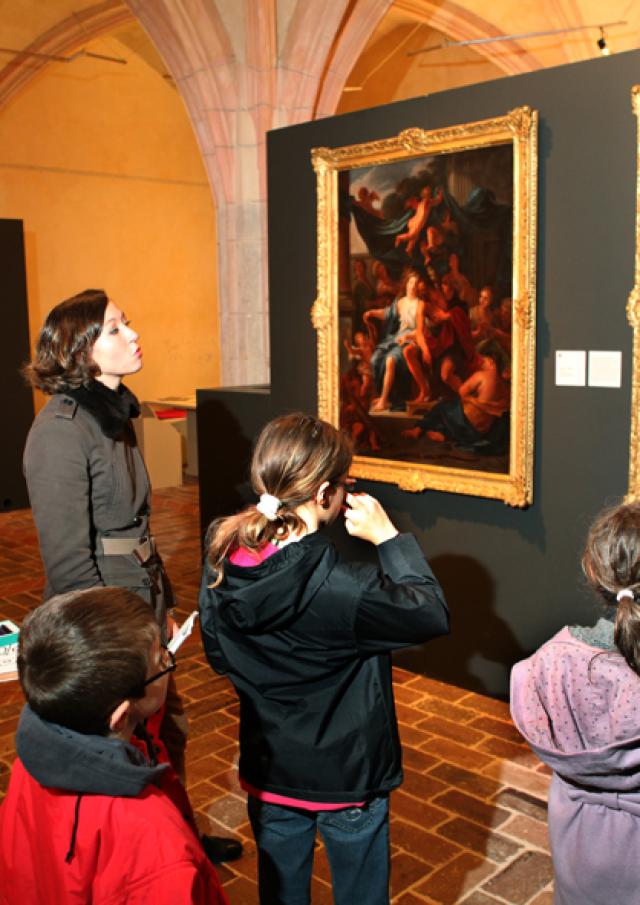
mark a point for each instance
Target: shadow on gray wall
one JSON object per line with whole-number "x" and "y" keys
{"x": 479, "y": 636}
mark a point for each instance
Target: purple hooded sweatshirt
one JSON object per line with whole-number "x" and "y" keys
{"x": 578, "y": 706}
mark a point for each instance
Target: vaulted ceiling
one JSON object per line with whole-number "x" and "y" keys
{"x": 388, "y": 68}
{"x": 243, "y": 67}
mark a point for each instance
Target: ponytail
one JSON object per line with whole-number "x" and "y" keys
{"x": 249, "y": 529}
{"x": 626, "y": 632}
{"x": 294, "y": 455}
{"x": 611, "y": 563}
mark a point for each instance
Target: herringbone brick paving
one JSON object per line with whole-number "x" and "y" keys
{"x": 468, "y": 825}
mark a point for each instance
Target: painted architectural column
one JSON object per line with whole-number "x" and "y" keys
{"x": 243, "y": 68}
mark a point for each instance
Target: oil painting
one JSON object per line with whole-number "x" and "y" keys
{"x": 426, "y": 305}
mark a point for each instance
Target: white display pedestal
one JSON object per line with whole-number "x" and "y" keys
{"x": 161, "y": 447}
{"x": 186, "y": 428}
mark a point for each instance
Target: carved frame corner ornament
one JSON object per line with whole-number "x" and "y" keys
{"x": 633, "y": 317}
{"x": 520, "y": 128}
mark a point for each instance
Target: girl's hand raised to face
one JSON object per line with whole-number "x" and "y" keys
{"x": 365, "y": 518}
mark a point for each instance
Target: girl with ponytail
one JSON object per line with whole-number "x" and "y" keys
{"x": 295, "y": 458}
{"x": 306, "y": 640}
{"x": 576, "y": 702}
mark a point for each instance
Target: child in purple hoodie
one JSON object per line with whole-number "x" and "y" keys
{"x": 577, "y": 702}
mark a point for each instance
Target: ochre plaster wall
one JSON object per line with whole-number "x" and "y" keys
{"x": 100, "y": 162}
{"x": 385, "y": 73}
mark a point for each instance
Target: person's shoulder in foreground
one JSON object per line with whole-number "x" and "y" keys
{"x": 87, "y": 816}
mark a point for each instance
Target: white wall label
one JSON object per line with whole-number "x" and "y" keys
{"x": 571, "y": 368}
{"x": 605, "y": 369}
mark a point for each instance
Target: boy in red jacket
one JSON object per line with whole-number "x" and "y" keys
{"x": 88, "y": 817}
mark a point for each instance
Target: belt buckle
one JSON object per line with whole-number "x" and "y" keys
{"x": 143, "y": 551}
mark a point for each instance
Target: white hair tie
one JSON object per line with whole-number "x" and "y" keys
{"x": 625, "y": 592}
{"x": 268, "y": 506}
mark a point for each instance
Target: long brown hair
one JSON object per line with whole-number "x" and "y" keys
{"x": 63, "y": 355}
{"x": 611, "y": 563}
{"x": 407, "y": 274}
{"x": 293, "y": 456}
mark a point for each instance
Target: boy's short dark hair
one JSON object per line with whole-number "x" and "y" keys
{"x": 83, "y": 653}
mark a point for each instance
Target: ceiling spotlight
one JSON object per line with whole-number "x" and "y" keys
{"x": 602, "y": 44}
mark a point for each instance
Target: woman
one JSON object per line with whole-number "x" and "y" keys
{"x": 390, "y": 370}
{"x": 88, "y": 486}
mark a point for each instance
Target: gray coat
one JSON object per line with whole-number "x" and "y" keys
{"x": 83, "y": 487}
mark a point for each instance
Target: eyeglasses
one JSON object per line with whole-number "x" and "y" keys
{"x": 168, "y": 663}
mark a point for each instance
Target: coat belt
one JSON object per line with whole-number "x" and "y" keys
{"x": 143, "y": 548}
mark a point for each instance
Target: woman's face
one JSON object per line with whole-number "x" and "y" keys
{"x": 412, "y": 285}
{"x": 116, "y": 350}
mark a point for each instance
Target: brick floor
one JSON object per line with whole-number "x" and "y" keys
{"x": 468, "y": 825}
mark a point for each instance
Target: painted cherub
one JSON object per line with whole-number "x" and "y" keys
{"x": 360, "y": 352}
{"x": 354, "y": 418}
{"x": 423, "y": 207}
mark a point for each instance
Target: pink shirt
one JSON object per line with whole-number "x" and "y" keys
{"x": 244, "y": 557}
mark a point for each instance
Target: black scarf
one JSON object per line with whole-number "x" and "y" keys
{"x": 112, "y": 409}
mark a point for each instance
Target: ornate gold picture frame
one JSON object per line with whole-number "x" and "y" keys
{"x": 425, "y": 314}
{"x": 633, "y": 316}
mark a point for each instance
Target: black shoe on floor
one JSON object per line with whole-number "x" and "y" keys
{"x": 221, "y": 848}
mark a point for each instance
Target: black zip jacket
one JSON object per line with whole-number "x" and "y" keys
{"x": 306, "y": 640}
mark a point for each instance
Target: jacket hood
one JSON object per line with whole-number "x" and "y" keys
{"x": 576, "y": 707}
{"x": 59, "y": 758}
{"x": 266, "y": 597}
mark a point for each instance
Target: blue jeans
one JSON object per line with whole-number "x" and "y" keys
{"x": 357, "y": 843}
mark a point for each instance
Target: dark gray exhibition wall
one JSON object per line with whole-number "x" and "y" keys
{"x": 228, "y": 421}
{"x": 511, "y": 576}
{"x": 14, "y": 352}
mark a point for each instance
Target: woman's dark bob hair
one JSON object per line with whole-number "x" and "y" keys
{"x": 62, "y": 358}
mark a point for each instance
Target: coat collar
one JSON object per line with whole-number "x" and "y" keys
{"x": 112, "y": 409}
{"x": 61, "y": 758}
